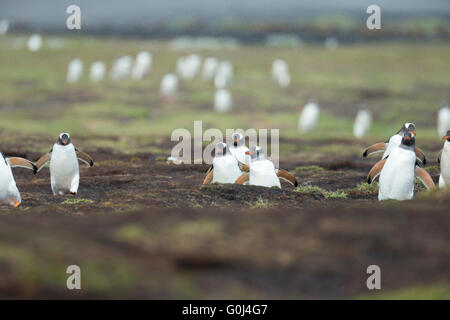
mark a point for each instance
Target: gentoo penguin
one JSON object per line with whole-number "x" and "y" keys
{"x": 388, "y": 146}
{"x": 444, "y": 160}
{"x": 238, "y": 149}
{"x": 262, "y": 171}
{"x": 64, "y": 174}
{"x": 223, "y": 101}
{"x": 400, "y": 169}
{"x": 74, "y": 70}
{"x": 309, "y": 116}
{"x": 362, "y": 123}
{"x": 225, "y": 167}
{"x": 443, "y": 123}
{"x": 9, "y": 193}
{"x": 169, "y": 87}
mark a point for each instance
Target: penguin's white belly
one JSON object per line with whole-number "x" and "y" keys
{"x": 397, "y": 176}
{"x": 445, "y": 163}
{"x": 441, "y": 182}
{"x": 262, "y": 173}
{"x": 239, "y": 154}
{"x": 63, "y": 167}
{"x": 394, "y": 141}
{"x": 8, "y": 189}
{"x": 226, "y": 170}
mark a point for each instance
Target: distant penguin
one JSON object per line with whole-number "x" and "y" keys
{"x": 142, "y": 65}
{"x": 399, "y": 171}
{"x": 309, "y": 116}
{"x": 225, "y": 167}
{"x": 122, "y": 68}
{"x": 222, "y": 101}
{"x": 224, "y": 74}
{"x": 188, "y": 67}
{"x": 280, "y": 73}
{"x": 262, "y": 171}
{"x": 97, "y": 72}
{"x": 169, "y": 87}
{"x": 443, "y": 119}
{"x": 388, "y": 146}
{"x": 34, "y": 42}
{"x": 4, "y": 26}
{"x": 74, "y": 70}
{"x": 64, "y": 171}
{"x": 209, "y": 68}
{"x": 238, "y": 148}
{"x": 9, "y": 194}
{"x": 444, "y": 160}
{"x": 362, "y": 123}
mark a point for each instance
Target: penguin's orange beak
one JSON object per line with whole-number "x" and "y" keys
{"x": 16, "y": 204}
{"x": 249, "y": 153}
{"x": 412, "y": 133}
{"x": 445, "y": 138}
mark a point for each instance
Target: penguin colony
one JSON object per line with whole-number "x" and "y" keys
{"x": 397, "y": 169}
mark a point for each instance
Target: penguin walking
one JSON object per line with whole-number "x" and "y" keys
{"x": 309, "y": 116}
{"x": 262, "y": 171}
{"x": 225, "y": 167}
{"x": 444, "y": 160}
{"x": 238, "y": 149}
{"x": 399, "y": 171}
{"x": 388, "y": 146}
{"x": 64, "y": 171}
{"x": 9, "y": 193}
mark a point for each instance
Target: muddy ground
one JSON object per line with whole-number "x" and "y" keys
{"x": 142, "y": 228}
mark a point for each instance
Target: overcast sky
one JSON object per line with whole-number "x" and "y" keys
{"x": 119, "y": 13}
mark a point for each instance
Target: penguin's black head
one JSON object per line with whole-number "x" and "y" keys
{"x": 408, "y": 126}
{"x": 255, "y": 153}
{"x": 409, "y": 138}
{"x": 221, "y": 149}
{"x": 238, "y": 140}
{"x": 447, "y": 136}
{"x": 64, "y": 139}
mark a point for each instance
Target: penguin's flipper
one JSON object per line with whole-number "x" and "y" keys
{"x": 377, "y": 147}
{"x": 375, "y": 171}
{"x": 84, "y": 157}
{"x": 242, "y": 179}
{"x": 22, "y": 163}
{"x": 439, "y": 156}
{"x": 209, "y": 176}
{"x": 420, "y": 156}
{"x": 244, "y": 167}
{"x": 425, "y": 178}
{"x": 283, "y": 174}
{"x": 43, "y": 160}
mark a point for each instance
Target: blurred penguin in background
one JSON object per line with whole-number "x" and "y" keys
{"x": 443, "y": 119}
{"x": 222, "y": 101}
{"x": 142, "y": 65}
{"x": 224, "y": 75}
{"x": 309, "y": 116}
{"x": 362, "y": 124}
{"x": 4, "y": 26}
{"x": 209, "y": 68}
{"x": 34, "y": 42}
{"x": 280, "y": 73}
{"x": 97, "y": 72}
{"x": 169, "y": 87}
{"x": 121, "y": 68}
{"x": 74, "y": 70}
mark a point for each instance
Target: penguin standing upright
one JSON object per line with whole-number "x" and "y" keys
{"x": 64, "y": 171}
{"x": 388, "y": 146}
{"x": 262, "y": 171}
{"x": 225, "y": 167}
{"x": 238, "y": 149}
{"x": 444, "y": 160}
{"x": 9, "y": 193}
{"x": 399, "y": 171}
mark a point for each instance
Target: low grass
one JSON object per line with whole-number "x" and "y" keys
{"x": 309, "y": 189}
{"x": 77, "y": 201}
